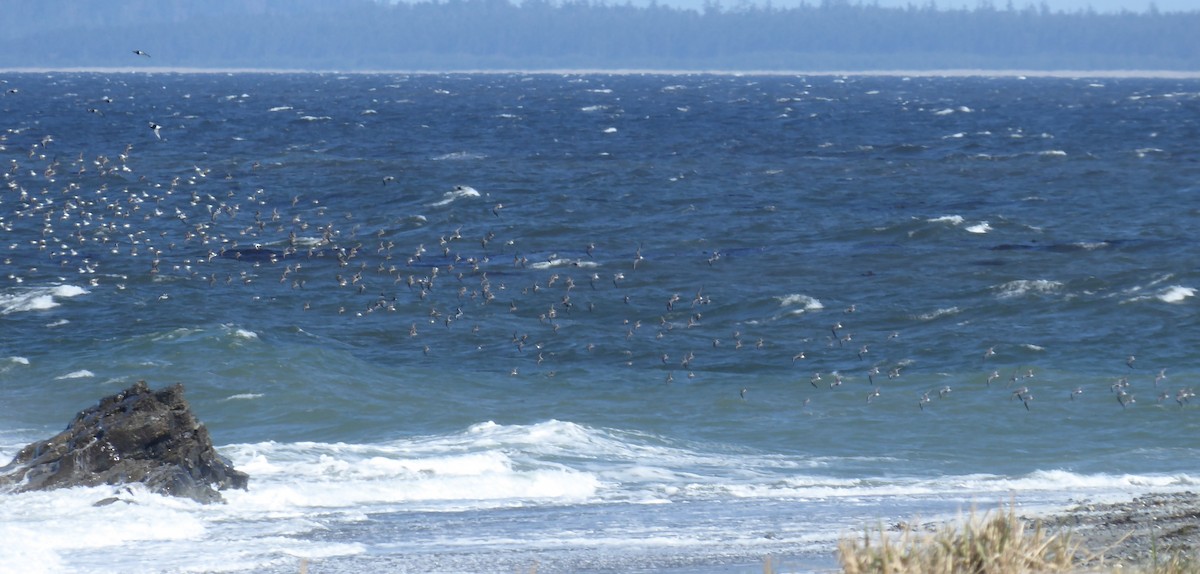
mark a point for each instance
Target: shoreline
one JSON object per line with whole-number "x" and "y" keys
{"x": 1133, "y": 532}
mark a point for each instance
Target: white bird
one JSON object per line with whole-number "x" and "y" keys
{"x": 156, "y": 129}
{"x": 141, "y": 53}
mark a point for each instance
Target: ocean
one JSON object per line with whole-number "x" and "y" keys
{"x": 587, "y": 322}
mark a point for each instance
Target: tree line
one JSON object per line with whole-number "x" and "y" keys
{"x": 547, "y": 34}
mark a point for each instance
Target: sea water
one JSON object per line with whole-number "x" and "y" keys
{"x": 595, "y": 322}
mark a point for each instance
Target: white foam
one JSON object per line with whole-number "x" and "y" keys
{"x": 459, "y": 192}
{"x": 944, "y": 312}
{"x": 37, "y": 298}
{"x": 1175, "y": 294}
{"x": 244, "y": 397}
{"x": 805, "y": 302}
{"x": 80, "y": 374}
{"x": 279, "y": 109}
{"x": 981, "y": 227}
{"x": 240, "y": 333}
{"x": 458, "y": 156}
{"x": 1022, "y": 287}
{"x": 951, "y": 219}
{"x": 18, "y": 360}
{"x": 65, "y": 531}
{"x": 299, "y": 488}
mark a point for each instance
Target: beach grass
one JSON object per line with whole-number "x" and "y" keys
{"x": 992, "y": 543}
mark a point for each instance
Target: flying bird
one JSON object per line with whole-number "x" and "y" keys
{"x": 141, "y": 53}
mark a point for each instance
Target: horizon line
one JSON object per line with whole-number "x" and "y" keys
{"x": 944, "y": 72}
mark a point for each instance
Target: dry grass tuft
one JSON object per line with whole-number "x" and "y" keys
{"x": 990, "y": 544}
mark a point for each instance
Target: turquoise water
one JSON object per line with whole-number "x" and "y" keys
{"x": 597, "y": 322}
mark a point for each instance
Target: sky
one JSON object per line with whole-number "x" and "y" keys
{"x": 1056, "y": 5}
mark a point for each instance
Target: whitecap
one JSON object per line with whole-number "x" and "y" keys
{"x": 610, "y": 130}
{"x": 458, "y": 155}
{"x": 315, "y": 118}
{"x": 280, "y": 109}
{"x": 18, "y": 360}
{"x": 68, "y": 291}
{"x": 596, "y": 108}
{"x": 944, "y": 312}
{"x": 981, "y": 227}
{"x": 1023, "y": 287}
{"x": 1053, "y": 153}
{"x": 37, "y": 298}
{"x": 805, "y": 302}
{"x": 951, "y": 219}
{"x": 1175, "y": 294}
{"x": 80, "y": 374}
{"x": 459, "y": 191}
{"x": 244, "y": 396}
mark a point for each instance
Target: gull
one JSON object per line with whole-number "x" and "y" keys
{"x": 156, "y": 129}
{"x": 995, "y": 375}
{"x": 1076, "y": 392}
{"x": 990, "y": 352}
{"x": 797, "y": 357}
{"x": 141, "y": 53}
{"x": 924, "y": 400}
{"x": 1125, "y": 399}
{"x": 1130, "y": 361}
{"x": 1162, "y": 376}
{"x": 875, "y": 393}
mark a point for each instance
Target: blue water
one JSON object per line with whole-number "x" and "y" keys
{"x": 472, "y": 323}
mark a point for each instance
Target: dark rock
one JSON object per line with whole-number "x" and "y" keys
{"x": 137, "y": 435}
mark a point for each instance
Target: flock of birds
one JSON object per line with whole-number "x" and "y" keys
{"x": 64, "y": 214}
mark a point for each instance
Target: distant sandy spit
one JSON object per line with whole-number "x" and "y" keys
{"x": 952, "y": 73}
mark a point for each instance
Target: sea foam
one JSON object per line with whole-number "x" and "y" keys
{"x": 37, "y": 298}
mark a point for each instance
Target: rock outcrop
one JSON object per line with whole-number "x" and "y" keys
{"x": 135, "y": 436}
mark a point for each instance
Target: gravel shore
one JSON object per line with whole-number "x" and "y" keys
{"x": 1133, "y": 532}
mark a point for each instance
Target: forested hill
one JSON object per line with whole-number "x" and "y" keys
{"x": 542, "y": 34}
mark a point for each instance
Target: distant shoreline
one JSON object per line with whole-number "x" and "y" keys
{"x": 946, "y": 73}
